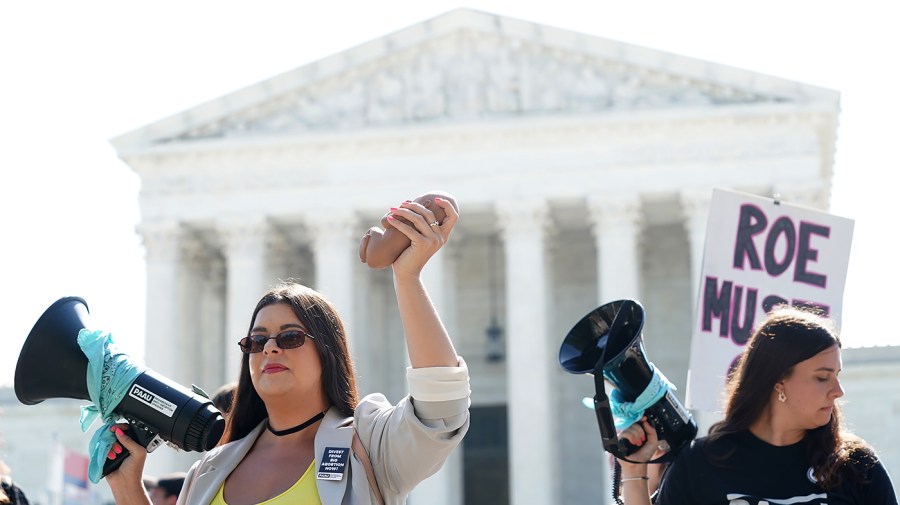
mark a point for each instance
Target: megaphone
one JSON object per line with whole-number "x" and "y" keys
{"x": 608, "y": 343}
{"x": 52, "y": 365}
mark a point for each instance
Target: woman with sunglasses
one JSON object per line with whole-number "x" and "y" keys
{"x": 781, "y": 441}
{"x": 297, "y": 432}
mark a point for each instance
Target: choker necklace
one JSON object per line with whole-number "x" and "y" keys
{"x": 295, "y": 429}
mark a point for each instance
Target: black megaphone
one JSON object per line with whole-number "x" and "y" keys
{"x": 52, "y": 365}
{"x": 608, "y": 343}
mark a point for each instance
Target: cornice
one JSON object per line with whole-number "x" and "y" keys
{"x": 627, "y": 140}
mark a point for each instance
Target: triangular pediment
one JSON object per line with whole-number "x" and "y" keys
{"x": 468, "y": 65}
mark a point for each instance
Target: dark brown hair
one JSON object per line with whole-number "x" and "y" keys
{"x": 321, "y": 320}
{"x": 788, "y": 336}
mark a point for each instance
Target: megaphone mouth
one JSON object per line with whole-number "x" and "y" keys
{"x": 60, "y": 318}
{"x": 602, "y": 336}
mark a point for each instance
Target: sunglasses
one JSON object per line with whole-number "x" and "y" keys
{"x": 284, "y": 340}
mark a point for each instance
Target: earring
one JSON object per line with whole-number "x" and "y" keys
{"x": 781, "y": 396}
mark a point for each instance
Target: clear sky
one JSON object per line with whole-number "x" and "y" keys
{"x": 76, "y": 74}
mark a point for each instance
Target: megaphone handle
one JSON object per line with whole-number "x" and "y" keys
{"x": 112, "y": 465}
{"x": 626, "y": 447}
{"x": 140, "y": 435}
{"x": 619, "y": 447}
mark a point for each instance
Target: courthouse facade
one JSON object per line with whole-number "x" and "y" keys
{"x": 583, "y": 168}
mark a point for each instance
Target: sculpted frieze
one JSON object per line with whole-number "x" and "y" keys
{"x": 468, "y": 75}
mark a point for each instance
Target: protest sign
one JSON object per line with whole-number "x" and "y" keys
{"x": 759, "y": 253}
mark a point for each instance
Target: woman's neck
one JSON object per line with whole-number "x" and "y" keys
{"x": 768, "y": 429}
{"x": 288, "y": 412}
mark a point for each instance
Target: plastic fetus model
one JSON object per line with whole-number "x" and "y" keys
{"x": 380, "y": 247}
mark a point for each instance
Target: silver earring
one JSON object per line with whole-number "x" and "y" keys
{"x": 781, "y": 396}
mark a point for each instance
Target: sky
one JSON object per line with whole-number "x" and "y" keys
{"x": 77, "y": 74}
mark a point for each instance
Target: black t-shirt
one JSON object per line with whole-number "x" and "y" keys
{"x": 757, "y": 473}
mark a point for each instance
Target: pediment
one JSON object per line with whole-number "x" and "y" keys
{"x": 469, "y": 65}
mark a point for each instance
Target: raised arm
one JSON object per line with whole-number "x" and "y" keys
{"x": 427, "y": 340}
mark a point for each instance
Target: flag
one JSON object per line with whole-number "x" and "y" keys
{"x": 75, "y": 478}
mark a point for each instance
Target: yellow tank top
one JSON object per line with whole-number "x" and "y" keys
{"x": 303, "y": 491}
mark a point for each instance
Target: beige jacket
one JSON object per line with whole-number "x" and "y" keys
{"x": 407, "y": 442}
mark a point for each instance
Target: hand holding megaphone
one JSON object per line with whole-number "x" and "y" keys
{"x": 607, "y": 343}
{"x": 640, "y": 441}
{"x": 86, "y": 367}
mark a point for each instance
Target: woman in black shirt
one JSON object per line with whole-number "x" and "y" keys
{"x": 781, "y": 440}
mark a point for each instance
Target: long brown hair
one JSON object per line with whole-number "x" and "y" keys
{"x": 321, "y": 320}
{"x": 788, "y": 336}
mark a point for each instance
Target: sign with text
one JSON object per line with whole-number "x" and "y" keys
{"x": 759, "y": 254}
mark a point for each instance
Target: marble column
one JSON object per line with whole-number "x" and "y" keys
{"x": 163, "y": 256}
{"x": 695, "y": 205}
{"x": 244, "y": 249}
{"x": 533, "y": 476}
{"x": 212, "y": 322}
{"x": 334, "y": 245}
{"x": 616, "y": 228}
{"x": 616, "y": 225}
{"x": 193, "y": 350}
{"x": 446, "y": 486}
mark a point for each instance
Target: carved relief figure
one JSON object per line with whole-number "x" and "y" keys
{"x": 426, "y": 91}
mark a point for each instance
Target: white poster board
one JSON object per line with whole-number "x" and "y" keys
{"x": 759, "y": 253}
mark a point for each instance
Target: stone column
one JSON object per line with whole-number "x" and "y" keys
{"x": 161, "y": 241}
{"x": 212, "y": 326}
{"x": 616, "y": 225}
{"x": 193, "y": 349}
{"x": 335, "y": 245}
{"x": 533, "y": 477}
{"x": 695, "y": 205}
{"x": 616, "y": 228}
{"x": 244, "y": 250}
{"x": 162, "y": 244}
{"x": 445, "y": 487}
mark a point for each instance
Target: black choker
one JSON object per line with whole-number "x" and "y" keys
{"x": 295, "y": 429}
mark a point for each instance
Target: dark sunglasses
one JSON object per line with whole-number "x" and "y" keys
{"x": 284, "y": 340}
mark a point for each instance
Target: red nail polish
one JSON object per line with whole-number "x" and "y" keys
{"x": 390, "y": 218}
{"x": 119, "y": 431}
